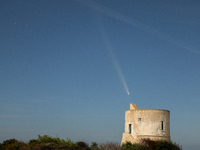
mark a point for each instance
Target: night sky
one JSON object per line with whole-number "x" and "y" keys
{"x": 70, "y": 68}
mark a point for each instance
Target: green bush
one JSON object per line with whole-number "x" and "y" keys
{"x": 11, "y": 141}
{"x": 46, "y": 142}
{"x": 48, "y": 139}
{"x": 94, "y": 146}
{"x": 147, "y": 144}
{"x": 69, "y": 143}
{"x": 33, "y": 141}
{"x": 134, "y": 146}
{"x": 12, "y": 146}
{"x": 2, "y": 146}
{"x": 150, "y": 144}
{"x": 110, "y": 146}
{"x": 165, "y": 145}
{"x": 82, "y": 146}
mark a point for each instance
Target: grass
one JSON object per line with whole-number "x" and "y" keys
{"x": 46, "y": 142}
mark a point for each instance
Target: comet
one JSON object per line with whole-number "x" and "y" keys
{"x": 109, "y": 48}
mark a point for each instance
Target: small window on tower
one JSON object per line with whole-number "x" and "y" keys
{"x": 139, "y": 119}
{"x": 130, "y": 128}
{"x": 161, "y": 125}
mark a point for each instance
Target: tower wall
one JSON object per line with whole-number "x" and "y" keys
{"x": 146, "y": 123}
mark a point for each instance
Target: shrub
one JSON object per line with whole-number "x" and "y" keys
{"x": 94, "y": 146}
{"x": 134, "y": 146}
{"x": 110, "y": 146}
{"x": 33, "y": 141}
{"x": 48, "y": 139}
{"x": 147, "y": 144}
{"x": 25, "y": 147}
{"x": 151, "y": 144}
{"x": 46, "y": 142}
{"x": 12, "y": 146}
{"x": 2, "y": 146}
{"x": 82, "y": 145}
{"x": 69, "y": 143}
{"x": 165, "y": 145}
{"x": 11, "y": 141}
{"x": 56, "y": 143}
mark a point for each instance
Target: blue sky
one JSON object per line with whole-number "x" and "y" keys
{"x": 66, "y": 67}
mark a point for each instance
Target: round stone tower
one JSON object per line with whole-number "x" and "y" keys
{"x": 146, "y": 123}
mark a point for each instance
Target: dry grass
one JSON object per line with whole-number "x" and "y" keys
{"x": 110, "y": 146}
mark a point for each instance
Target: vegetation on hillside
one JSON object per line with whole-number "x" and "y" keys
{"x": 46, "y": 142}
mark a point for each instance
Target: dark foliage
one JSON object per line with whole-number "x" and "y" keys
{"x": 82, "y": 145}
{"x": 49, "y": 143}
{"x": 147, "y": 144}
{"x": 33, "y": 141}
{"x": 164, "y": 145}
{"x": 134, "y": 146}
{"x": 11, "y": 141}
{"x": 94, "y": 146}
{"x": 110, "y": 146}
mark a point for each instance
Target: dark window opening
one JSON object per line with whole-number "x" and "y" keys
{"x": 130, "y": 128}
{"x": 161, "y": 125}
{"x": 139, "y": 119}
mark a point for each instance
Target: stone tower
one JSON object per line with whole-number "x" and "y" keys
{"x": 146, "y": 123}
